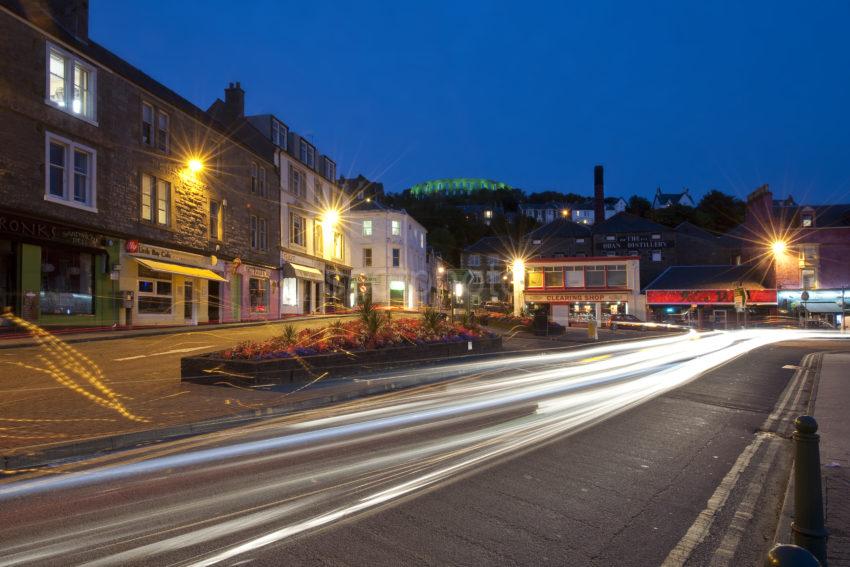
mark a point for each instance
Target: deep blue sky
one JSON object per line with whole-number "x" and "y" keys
{"x": 724, "y": 95}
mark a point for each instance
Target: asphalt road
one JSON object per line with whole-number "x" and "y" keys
{"x": 616, "y": 455}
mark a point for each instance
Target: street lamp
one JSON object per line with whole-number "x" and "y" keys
{"x": 330, "y": 217}
{"x": 195, "y": 165}
{"x": 779, "y": 247}
{"x": 518, "y": 268}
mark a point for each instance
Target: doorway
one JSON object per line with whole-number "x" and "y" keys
{"x": 188, "y": 302}
{"x": 214, "y": 302}
{"x": 308, "y": 297}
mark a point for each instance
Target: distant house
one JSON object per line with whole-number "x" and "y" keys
{"x": 558, "y": 239}
{"x": 487, "y": 260}
{"x": 664, "y": 200}
{"x": 482, "y": 213}
{"x": 585, "y": 213}
{"x": 544, "y": 213}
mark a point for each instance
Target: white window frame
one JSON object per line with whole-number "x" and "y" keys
{"x": 156, "y": 197}
{"x": 71, "y": 60}
{"x": 395, "y": 227}
{"x": 329, "y": 169}
{"x": 367, "y": 227}
{"x": 280, "y": 131}
{"x": 68, "y": 180}
{"x": 307, "y": 157}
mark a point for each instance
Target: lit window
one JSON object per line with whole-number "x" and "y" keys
{"x": 70, "y": 172}
{"x": 258, "y": 292}
{"x": 71, "y": 83}
{"x": 656, "y": 237}
{"x": 396, "y": 228}
{"x": 535, "y": 277}
{"x": 154, "y": 292}
{"x": 579, "y": 240}
{"x": 808, "y": 279}
{"x": 422, "y": 240}
{"x": 367, "y": 228}
{"x": 656, "y": 255}
{"x": 807, "y": 221}
{"x": 574, "y": 276}
{"x": 610, "y": 238}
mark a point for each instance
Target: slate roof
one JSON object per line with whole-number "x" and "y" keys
{"x": 625, "y": 222}
{"x": 560, "y": 228}
{"x": 487, "y": 245}
{"x": 372, "y": 205}
{"x": 708, "y": 277}
{"x": 664, "y": 198}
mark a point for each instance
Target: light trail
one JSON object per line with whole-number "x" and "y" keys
{"x": 244, "y": 490}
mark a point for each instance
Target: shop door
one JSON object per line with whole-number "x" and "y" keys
{"x": 188, "y": 302}
{"x": 719, "y": 319}
{"x": 214, "y": 302}
{"x": 8, "y": 276}
{"x": 308, "y": 298}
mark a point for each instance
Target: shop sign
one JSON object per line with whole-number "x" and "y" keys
{"x": 707, "y": 296}
{"x": 636, "y": 242}
{"x": 20, "y": 226}
{"x": 794, "y": 298}
{"x": 575, "y": 297}
{"x": 258, "y": 272}
{"x": 158, "y": 253}
{"x": 303, "y": 260}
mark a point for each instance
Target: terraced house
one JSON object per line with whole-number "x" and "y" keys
{"x": 120, "y": 201}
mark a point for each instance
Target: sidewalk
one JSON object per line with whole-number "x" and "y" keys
{"x": 41, "y": 422}
{"x": 70, "y": 336}
{"x": 833, "y": 416}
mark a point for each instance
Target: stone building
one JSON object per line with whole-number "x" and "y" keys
{"x": 120, "y": 201}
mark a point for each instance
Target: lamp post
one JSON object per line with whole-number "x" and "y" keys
{"x": 518, "y": 268}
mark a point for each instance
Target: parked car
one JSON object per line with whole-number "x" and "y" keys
{"x": 494, "y": 306}
{"x": 625, "y": 321}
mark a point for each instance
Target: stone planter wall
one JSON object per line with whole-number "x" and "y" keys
{"x": 212, "y": 369}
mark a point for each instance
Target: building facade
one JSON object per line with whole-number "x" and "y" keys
{"x": 314, "y": 248}
{"x": 488, "y": 262}
{"x": 120, "y": 201}
{"x": 577, "y": 290}
{"x": 389, "y": 256}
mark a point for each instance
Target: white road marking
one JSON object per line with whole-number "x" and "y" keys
{"x": 188, "y": 349}
{"x": 680, "y": 554}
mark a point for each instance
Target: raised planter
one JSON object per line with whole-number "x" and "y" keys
{"x": 213, "y": 369}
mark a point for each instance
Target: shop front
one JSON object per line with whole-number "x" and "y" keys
{"x": 162, "y": 286}
{"x": 827, "y": 305}
{"x": 337, "y": 284}
{"x": 260, "y": 291}
{"x": 301, "y": 281}
{"x": 56, "y": 275}
{"x": 720, "y": 296}
{"x": 575, "y": 291}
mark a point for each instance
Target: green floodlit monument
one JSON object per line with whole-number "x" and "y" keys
{"x": 456, "y": 186}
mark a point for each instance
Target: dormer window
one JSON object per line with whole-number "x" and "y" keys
{"x": 279, "y": 134}
{"x": 329, "y": 170}
{"x": 307, "y": 154}
{"x": 807, "y": 220}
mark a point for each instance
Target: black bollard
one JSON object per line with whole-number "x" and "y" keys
{"x": 785, "y": 555}
{"x": 808, "y": 527}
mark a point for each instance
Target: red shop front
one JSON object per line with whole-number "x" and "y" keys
{"x": 717, "y": 308}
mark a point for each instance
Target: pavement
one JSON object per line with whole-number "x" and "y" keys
{"x": 54, "y": 408}
{"x": 616, "y": 459}
{"x": 831, "y": 413}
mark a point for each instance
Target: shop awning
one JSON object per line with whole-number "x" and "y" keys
{"x": 822, "y": 307}
{"x": 291, "y": 270}
{"x": 170, "y": 268}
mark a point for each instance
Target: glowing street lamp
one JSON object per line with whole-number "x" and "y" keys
{"x": 518, "y": 268}
{"x": 330, "y": 217}
{"x": 779, "y": 247}
{"x": 195, "y": 165}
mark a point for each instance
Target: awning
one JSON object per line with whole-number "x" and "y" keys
{"x": 822, "y": 307}
{"x": 291, "y": 270}
{"x": 169, "y": 268}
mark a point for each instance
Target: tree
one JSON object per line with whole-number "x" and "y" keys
{"x": 676, "y": 214}
{"x": 639, "y": 206}
{"x": 720, "y": 211}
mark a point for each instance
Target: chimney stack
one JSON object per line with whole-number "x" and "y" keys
{"x": 234, "y": 100}
{"x": 72, "y": 15}
{"x": 598, "y": 195}
{"x": 759, "y": 209}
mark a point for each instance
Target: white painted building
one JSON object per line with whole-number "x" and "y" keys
{"x": 389, "y": 248}
{"x": 315, "y": 257}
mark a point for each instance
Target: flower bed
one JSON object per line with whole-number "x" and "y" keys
{"x": 340, "y": 349}
{"x": 350, "y": 337}
{"x": 505, "y": 321}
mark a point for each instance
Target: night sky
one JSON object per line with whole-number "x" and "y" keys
{"x": 726, "y": 95}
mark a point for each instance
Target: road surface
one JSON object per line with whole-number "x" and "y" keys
{"x": 639, "y": 453}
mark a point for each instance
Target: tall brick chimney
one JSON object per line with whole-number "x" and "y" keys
{"x": 598, "y": 195}
{"x": 234, "y": 100}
